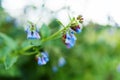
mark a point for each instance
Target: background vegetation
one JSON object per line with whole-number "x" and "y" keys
{"x": 95, "y": 56}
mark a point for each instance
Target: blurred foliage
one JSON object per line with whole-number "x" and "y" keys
{"x": 94, "y": 57}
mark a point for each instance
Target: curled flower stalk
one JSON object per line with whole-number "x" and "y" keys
{"x": 68, "y": 37}
{"x": 76, "y": 24}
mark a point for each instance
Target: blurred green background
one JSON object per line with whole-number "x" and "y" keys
{"x": 96, "y": 55}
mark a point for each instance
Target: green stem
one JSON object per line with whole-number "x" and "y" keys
{"x": 69, "y": 17}
{"x": 52, "y": 36}
{"x": 48, "y": 38}
{"x": 60, "y": 23}
{"x": 55, "y": 34}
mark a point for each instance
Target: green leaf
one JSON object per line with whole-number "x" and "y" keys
{"x": 8, "y": 41}
{"x": 3, "y": 53}
{"x": 45, "y": 31}
{"x": 10, "y": 60}
{"x": 29, "y": 53}
{"x": 13, "y": 71}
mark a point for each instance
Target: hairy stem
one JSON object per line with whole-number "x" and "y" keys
{"x": 49, "y": 38}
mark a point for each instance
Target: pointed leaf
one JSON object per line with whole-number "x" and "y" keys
{"x": 10, "y": 60}
{"x": 45, "y": 31}
{"x": 8, "y": 41}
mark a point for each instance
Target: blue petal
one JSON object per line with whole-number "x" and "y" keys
{"x": 68, "y": 38}
{"x": 39, "y": 61}
{"x": 35, "y": 35}
{"x": 78, "y": 30}
{"x": 45, "y": 56}
{"x": 69, "y": 45}
{"x": 73, "y": 37}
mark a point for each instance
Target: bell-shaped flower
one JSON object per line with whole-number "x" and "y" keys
{"x": 69, "y": 39}
{"x": 45, "y": 56}
{"x": 32, "y": 32}
{"x": 42, "y": 58}
{"x": 41, "y": 61}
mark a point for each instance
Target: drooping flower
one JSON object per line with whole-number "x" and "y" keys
{"x": 41, "y": 61}
{"x": 75, "y": 26}
{"x": 32, "y": 32}
{"x": 69, "y": 39}
{"x": 72, "y": 35}
{"x": 45, "y": 56}
{"x": 42, "y": 58}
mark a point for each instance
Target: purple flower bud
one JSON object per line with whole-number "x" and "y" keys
{"x": 80, "y": 18}
{"x": 76, "y": 28}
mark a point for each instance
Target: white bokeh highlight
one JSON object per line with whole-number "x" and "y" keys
{"x": 95, "y": 10}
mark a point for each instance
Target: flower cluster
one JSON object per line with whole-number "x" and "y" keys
{"x": 42, "y": 58}
{"x": 69, "y": 38}
{"x": 32, "y": 32}
{"x": 76, "y": 24}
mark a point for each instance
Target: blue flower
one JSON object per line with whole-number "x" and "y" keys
{"x": 45, "y": 56}
{"x": 42, "y": 59}
{"x": 32, "y": 32}
{"x": 61, "y": 62}
{"x": 54, "y": 68}
{"x": 69, "y": 39}
{"x": 72, "y": 35}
